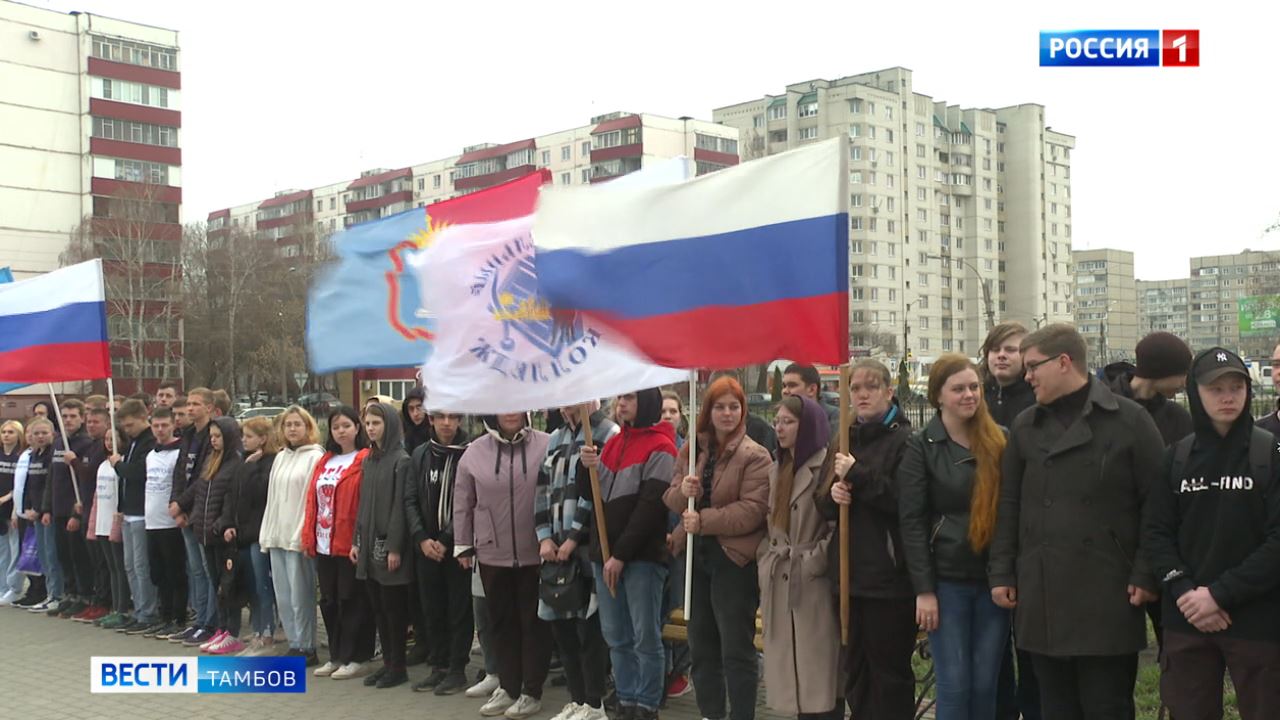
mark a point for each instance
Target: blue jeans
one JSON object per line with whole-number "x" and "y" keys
{"x": 262, "y": 612}
{"x": 293, "y": 576}
{"x": 137, "y": 566}
{"x": 202, "y": 595}
{"x": 11, "y": 579}
{"x": 968, "y": 648}
{"x": 47, "y": 549}
{"x": 632, "y": 626}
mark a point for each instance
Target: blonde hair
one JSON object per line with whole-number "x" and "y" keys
{"x": 265, "y": 429}
{"x": 313, "y": 430}
{"x": 22, "y": 433}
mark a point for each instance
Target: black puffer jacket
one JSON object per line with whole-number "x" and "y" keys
{"x": 935, "y": 483}
{"x": 202, "y": 500}
{"x": 246, "y": 499}
{"x": 878, "y": 566}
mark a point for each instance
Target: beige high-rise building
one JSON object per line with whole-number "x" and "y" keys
{"x": 1163, "y": 306}
{"x": 959, "y": 217}
{"x": 1217, "y": 284}
{"x": 1106, "y": 305}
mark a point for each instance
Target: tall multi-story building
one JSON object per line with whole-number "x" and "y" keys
{"x": 91, "y": 165}
{"x": 1106, "y": 304}
{"x": 1217, "y": 284}
{"x": 959, "y": 217}
{"x": 609, "y": 146}
{"x": 1163, "y": 306}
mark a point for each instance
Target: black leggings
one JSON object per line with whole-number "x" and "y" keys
{"x": 121, "y": 600}
{"x": 215, "y": 556}
{"x": 585, "y": 657}
{"x": 391, "y": 611}
{"x": 167, "y": 553}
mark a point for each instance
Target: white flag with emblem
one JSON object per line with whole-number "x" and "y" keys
{"x": 499, "y": 347}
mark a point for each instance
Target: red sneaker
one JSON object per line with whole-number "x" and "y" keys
{"x": 89, "y": 614}
{"x": 678, "y": 687}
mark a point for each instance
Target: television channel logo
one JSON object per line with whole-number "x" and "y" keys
{"x": 198, "y": 675}
{"x": 1120, "y": 48}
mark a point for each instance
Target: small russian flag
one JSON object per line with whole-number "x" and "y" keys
{"x": 53, "y": 327}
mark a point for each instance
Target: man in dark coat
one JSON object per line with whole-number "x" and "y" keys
{"x": 1271, "y": 421}
{"x": 1066, "y": 553}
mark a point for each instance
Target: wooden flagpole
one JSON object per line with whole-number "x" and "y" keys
{"x": 844, "y": 510}
{"x": 597, "y": 501}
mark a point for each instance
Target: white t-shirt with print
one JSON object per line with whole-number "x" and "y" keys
{"x": 326, "y": 489}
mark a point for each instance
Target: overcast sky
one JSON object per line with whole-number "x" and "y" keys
{"x": 280, "y": 94}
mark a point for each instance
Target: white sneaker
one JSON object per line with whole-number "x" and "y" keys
{"x": 569, "y": 712}
{"x": 349, "y": 670}
{"x": 586, "y": 712}
{"x": 9, "y": 598}
{"x": 326, "y": 669}
{"x": 485, "y": 687}
{"x": 526, "y": 706}
{"x": 44, "y": 605}
{"x": 497, "y": 704}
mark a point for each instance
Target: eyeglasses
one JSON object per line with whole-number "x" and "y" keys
{"x": 1033, "y": 366}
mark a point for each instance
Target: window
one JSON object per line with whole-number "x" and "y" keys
{"x": 778, "y": 112}
{"x": 891, "y": 226}
{"x": 856, "y": 246}
{"x": 855, "y": 270}
{"x": 757, "y": 121}
{"x": 889, "y": 203}
{"x": 396, "y": 389}
{"x": 922, "y": 279}
{"x": 890, "y": 180}
{"x": 888, "y": 112}
{"x": 888, "y": 135}
{"x": 922, "y": 215}
{"x": 855, "y": 130}
{"x": 855, "y": 223}
{"x": 871, "y": 131}
{"x": 986, "y": 184}
{"x": 888, "y": 159}
{"x": 777, "y": 136}
{"x": 142, "y": 172}
{"x": 435, "y": 183}
{"x": 924, "y": 237}
{"x": 135, "y": 132}
{"x": 875, "y": 294}
{"x": 566, "y": 152}
{"x": 871, "y": 225}
{"x": 586, "y": 148}
{"x": 586, "y": 175}
{"x": 333, "y": 202}
{"x": 135, "y": 93}
{"x": 924, "y": 344}
{"x": 809, "y": 133}
{"x": 855, "y": 201}
{"x": 855, "y": 152}
{"x": 565, "y": 178}
{"x": 809, "y": 109}
{"x": 135, "y": 53}
{"x": 922, "y": 172}
{"x": 920, "y": 151}
{"x": 855, "y": 105}
{"x": 922, "y": 194}
{"x": 855, "y": 293}
{"x": 855, "y": 177}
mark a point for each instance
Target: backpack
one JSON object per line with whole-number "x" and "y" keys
{"x": 1261, "y": 443}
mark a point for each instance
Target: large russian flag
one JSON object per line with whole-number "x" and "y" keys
{"x": 741, "y": 266}
{"x": 53, "y": 327}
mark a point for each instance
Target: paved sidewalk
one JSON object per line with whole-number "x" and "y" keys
{"x": 44, "y": 674}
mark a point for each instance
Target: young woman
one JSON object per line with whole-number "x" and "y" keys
{"x": 11, "y": 446}
{"x": 293, "y": 574}
{"x": 329, "y": 526}
{"x": 381, "y": 552}
{"x": 202, "y": 502}
{"x": 493, "y": 524}
{"x": 730, "y": 488}
{"x": 801, "y": 629}
{"x": 882, "y": 628}
{"x": 240, "y": 524}
{"x": 948, "y": 485}
{"x": 107, "y": 529}
{"x": 673, "y": 412}
{"x": 40, "y": 435}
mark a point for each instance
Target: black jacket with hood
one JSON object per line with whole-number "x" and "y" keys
{"x": 380, "y": 518}
{"x": 1217, "y": 525}
{"x": 415, "y": 436}
{"x": 1006, "y": 402}
{"x": 59, "y": 492}
{"x": 1172, "y": 420}
{"x": 193, "y": 446}
{"x": 132, "y": 471}
{"x": 428, "y": 496}
{"x": 203, "y": 498}
{"x": 246, "y": 499}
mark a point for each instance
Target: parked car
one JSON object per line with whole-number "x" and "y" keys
{"x": 319, "y": 404}
{"x": 261, "y": 398}
{"x": 266, "y": 412}
{"x": 759, "y": 400}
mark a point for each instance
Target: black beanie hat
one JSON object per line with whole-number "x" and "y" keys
{"x": 1162, "y": 355}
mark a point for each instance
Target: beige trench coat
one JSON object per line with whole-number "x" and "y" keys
{"x": 797, "y": 603}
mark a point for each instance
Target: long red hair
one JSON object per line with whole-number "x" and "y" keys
{"x": 986, "y": 441}
{"x": 724, "y": 385}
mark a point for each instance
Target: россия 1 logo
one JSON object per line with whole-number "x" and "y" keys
{"x": 1120, "y": 48}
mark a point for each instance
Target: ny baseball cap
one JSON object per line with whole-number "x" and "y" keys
{"x": 1216, "y": 362}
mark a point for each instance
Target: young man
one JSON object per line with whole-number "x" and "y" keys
{"x": 417, "y": 423}
{"x": 143, "y": 398}
{"x": 444, "y": 586}
{"x": 1271, "y": 421}
{"x": 1066, "y": 551}
{"x": 165, "y": 547}
{"x": 95, "y": 424}
{"x": 181, "y": 421}
{"x": 1161, "y": 373}
{"x": 635, "y": 468}
{"x": 221, "y": 403}
{"x": 1212, "y": 532}
{"x": 193, "y": 446}
{"x": 804, "y": 381}
{"x": 131, "y": 468}
{"x": 65, "y": 509}
{"x": 166, "y": 394}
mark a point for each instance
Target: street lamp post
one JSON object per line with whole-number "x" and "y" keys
{"x": 986, "y": 288}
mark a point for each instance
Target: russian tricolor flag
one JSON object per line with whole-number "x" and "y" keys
{"x": 741, "y": 266}
{"x": 53, "y": 327}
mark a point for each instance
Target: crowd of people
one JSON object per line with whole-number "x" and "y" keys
{"x": 1030, "y": 528}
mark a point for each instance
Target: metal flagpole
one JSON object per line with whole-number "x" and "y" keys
{"x": 693, "y": 464}
{"x": 66, "y": 445}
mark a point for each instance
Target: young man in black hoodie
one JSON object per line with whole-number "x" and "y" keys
{"x": 66, "y": 509}
{"x": 193, "y": 446}
{"x": 1161, "y": 373}
{"x": 131, "y": 468}
{"x": 443, "y": 586}
{"x": 1212, "y": 533}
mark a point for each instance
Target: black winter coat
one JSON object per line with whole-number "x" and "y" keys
{"x": 202, "y": 500}
{"x": 246, "y": 499}
{"x": 878, "y": 566}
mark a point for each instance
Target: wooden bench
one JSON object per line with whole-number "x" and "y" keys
{"x": 676, "y": 631}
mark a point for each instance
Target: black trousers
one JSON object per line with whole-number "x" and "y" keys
{"x": 882, "y": 635}
{"x": 722, "y": 632}
{"x": 1191, "y": 675}
{"x": 1087, "y": 687}
{"x": 585, "y": 657}
{"x": 1017, "y": 692}
{"x": 390, "y": 604}
{"x": 444, "y": 595}
{"x": 522, "y": 641}
{"x": 167, "y": 554}
{"x": 73, "y": 556}
{"x": 121, "y": 596}
{"x": 101, "y": 564}
{"x": 215, "y": 557}
{"x": 344, "y": 604}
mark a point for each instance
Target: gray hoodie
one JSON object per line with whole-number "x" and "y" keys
{"x": 380, "y": 523}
